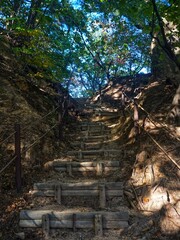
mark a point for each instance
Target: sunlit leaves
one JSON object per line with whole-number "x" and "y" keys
{"x": 85, "y": 41}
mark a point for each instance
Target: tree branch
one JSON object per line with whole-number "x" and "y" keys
{"x": 166, "y": 47}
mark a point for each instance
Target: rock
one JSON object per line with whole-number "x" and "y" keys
{"x": 156, "y": 198}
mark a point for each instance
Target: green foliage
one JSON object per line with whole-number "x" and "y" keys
{"x": 83, "y": 45}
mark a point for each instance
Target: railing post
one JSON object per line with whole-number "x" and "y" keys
{"x": 66, "y": 100}
{"x": 18, "y": 158}
{"x": 60, "y": 119}
{"x": 123, "y": 103}
{"x": 136, "y": 118}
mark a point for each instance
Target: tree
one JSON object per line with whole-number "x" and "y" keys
{"x": 158, "y": 19}
{"x": 87, "y": 43}
{"x": 167, "y": 35}
{"x": 40, "y": 33}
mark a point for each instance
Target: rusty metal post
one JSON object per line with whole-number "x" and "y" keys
{"x": 136, "y": 119}
{"x": 123, "y": 103}
{"x": 123, "y": 99}
{"x": 18, "y": 158}
{"x": 60, "y": 120}
{"x": 66, "y": 102}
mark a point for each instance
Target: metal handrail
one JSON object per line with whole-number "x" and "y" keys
{"x": 3, "y": 141}
{"x": 39, "y": 138}
{"x": 150, "y": 136}
{"x": 149, "y": 116}
{"x": 7, "y": 165}
{"x": 40, "y": 120}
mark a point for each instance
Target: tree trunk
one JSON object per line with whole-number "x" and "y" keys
{"x": 35, "y": 5}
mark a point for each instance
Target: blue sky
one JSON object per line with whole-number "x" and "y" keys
{"x": 76, "y": 3}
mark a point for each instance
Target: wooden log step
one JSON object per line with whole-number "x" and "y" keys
{"x": 73, "y": 193}
{"x": 91, "y": 124}
{"x": 92, "y": 152}
{"x": 87, "y": 123}
{"x": 93, "y": 129}
{"x": 106, "y": 114}
{"x": 69, "y": 224}
{"x": 83, "y": 154}
{"x": 88, "y": 146}
{"x": 93, "y": 138}
{"x": 88, "y": 164}
{"x": 78, "y": 185}
{"x": 91, "y": 106}
{"x": 104, "y": 170}
{"x": 106, "y": 109}
{"x": 58, "y": 215}
{"x": 99, "y": 168}
{"x": 105, "y": 118}
{"x": 57, "y": 219}
{"x": 87, "y": 189}
{"x": 95, "y": 133}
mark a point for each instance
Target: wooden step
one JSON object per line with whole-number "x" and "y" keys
{"x": 92, "y": 124}
{"x": 88, "y": 122}
{"x": 88, "y": 146}
{"x": 49, "y": 219}
{"x": 93, "y": 138}
{"x": 100, "y": 167}
{"x": 93, "y": 128}
{"x": 95, "y": 132}
{"x": 106, "y": 113}
{"x": 86, "y": 189}
{"x": 96, "y": 153}
{"x": 103, "y": 108}
{"x": 90, "y": 105}
{"x": 87, "y": 164}
{"x": 97, "y": 118}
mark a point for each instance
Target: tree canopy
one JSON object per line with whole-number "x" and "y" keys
{"x": 82, "y": 44}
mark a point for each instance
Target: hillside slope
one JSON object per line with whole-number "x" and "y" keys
{"x": 151, "y": 172}
{"x": 30, "y": 101}
{"x": 155, "y": 139}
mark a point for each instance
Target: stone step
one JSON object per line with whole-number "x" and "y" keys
{"x": 49, "y": 219}
{"x": 86, "y": 189}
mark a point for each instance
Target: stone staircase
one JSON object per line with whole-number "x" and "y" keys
{"x": 87, "y": 187}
